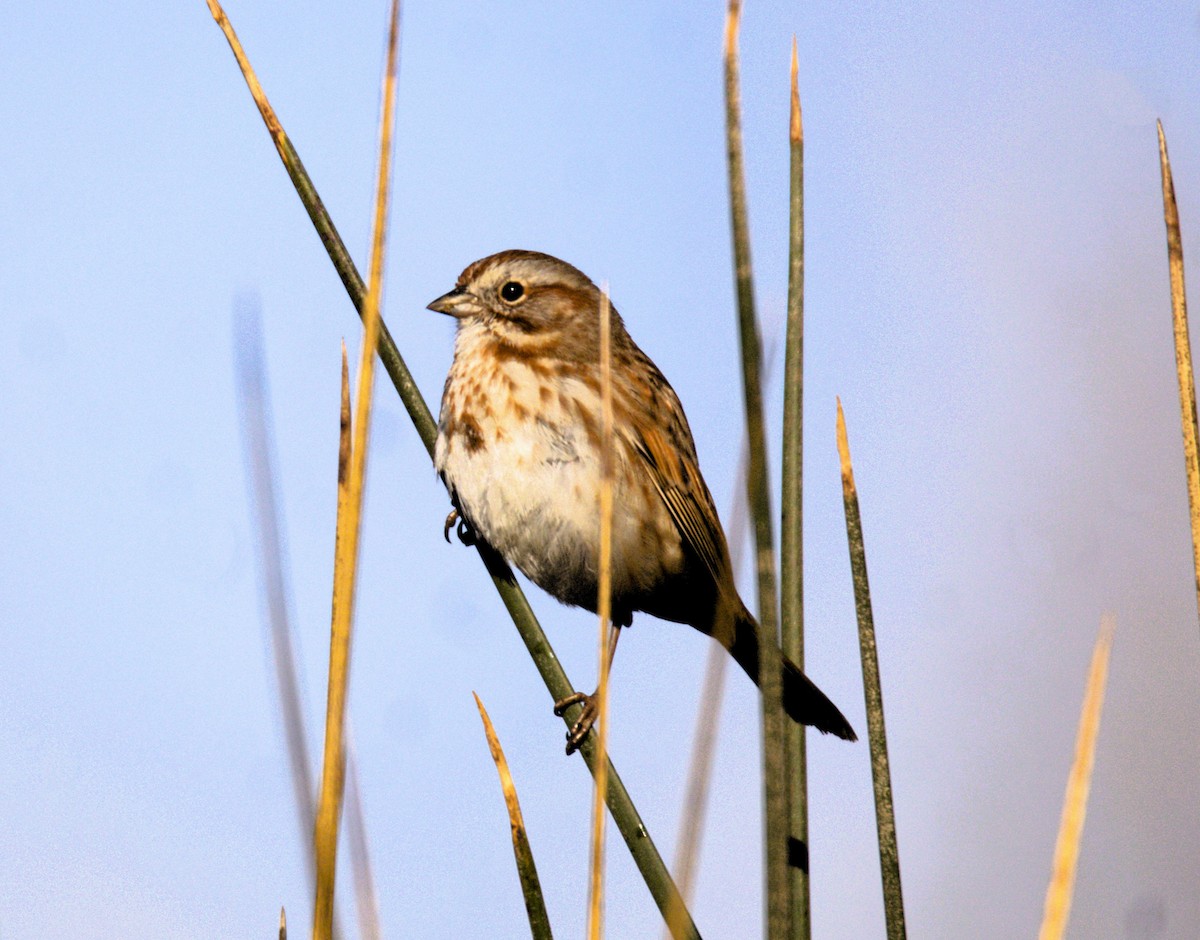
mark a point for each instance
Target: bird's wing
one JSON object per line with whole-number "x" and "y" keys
{"x": 663, "y": 443}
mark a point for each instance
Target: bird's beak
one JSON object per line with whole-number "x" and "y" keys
{"x": 459, "y": 303}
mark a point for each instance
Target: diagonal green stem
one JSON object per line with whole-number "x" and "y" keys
{"x": 625, "y": 815}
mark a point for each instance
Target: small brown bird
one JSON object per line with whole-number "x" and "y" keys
{"x": 518, "y": 448}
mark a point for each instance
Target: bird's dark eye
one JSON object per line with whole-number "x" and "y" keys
{"x": 512, "y": 291}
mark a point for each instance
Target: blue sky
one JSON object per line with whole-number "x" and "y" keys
{"x": 986, "y": 291}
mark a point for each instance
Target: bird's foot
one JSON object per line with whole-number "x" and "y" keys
{"x": 465, "y": 533}
{"x": 587, "y": 718}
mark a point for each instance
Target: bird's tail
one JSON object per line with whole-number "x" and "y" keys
{"x": 802, "y": 700}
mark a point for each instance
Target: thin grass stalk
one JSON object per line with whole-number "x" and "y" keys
{"x": 1070, "y": 830}
{"x": 252, "y": 395}
{"x": 881, "y": 775}
{"x": 629, "y": 823}
{"x": 328, "y": 802}
{"x": 693, "y": 814}
{"x": 604, "y": 612}
{"x": 775, "y": 771}
{"x": 704, "y": 739}
{"x": 366, "y": 898}
{"x": 350, "y": 524}
{"x": 260, "y": 460}
{"x": 531, "y": 886}
{"x": 283, "y": 923}
{"x": 1183, "y": 351}
{"x": 791, "y": 564}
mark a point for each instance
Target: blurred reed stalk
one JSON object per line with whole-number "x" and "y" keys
{"x": 704, "y": 739}
{"x": 349, "y": 522}
{"x": 1070, "y": 830}
{"x": 1183, "y": 351}
{"x": 531, "y": 887}
{"x": 791, "y": 559}
{"x": 260, "y": 463}
{"x": 881, "y": 775}
{"x": 625, "y": 815}
{"x": 283, "y": 923}
{"x": 253, "y": 398}
{"x": 778, "y": 889}
{"x": 366, "y": 899}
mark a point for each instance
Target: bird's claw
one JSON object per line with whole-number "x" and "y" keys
{"x": 587, "y": 718}
{"x": 465, "y": 533}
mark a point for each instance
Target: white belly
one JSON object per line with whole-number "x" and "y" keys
{"x": 532, "y": 496}
{"x": 529, "y": 487}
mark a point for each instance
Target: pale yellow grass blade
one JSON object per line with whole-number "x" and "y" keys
{"x": 350, "y": 522}
{"x": 1070, "y": 829}
{"x": 329, "y": 798}
{"x": 604, "y": 608}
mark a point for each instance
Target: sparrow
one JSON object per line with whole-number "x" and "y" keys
{"x": 519, "y": 449}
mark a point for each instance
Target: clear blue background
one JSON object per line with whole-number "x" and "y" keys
{"x": 987, "y": 291}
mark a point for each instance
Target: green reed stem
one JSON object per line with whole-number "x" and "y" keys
{"x": 777, "y": 822}
{"x": 625, "y": 815}
{"x": 791, "y": 565}
{"x": 881, "y": 775}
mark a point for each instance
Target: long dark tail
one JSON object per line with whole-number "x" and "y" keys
{"x": 802, "y": 700}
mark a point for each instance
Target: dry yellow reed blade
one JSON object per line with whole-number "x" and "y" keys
{"x": 531, "y": 888}
{"x": 350, "y": 523}
{"x": 1070, "y": 829}
{"x": 604, "y": 609}
{"x": 329, "y": 799}
{"x": 1183, "y": 351}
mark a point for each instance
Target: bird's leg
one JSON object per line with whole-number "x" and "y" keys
{"x": 591, "y": 703}
{"x": 465, "y": 533}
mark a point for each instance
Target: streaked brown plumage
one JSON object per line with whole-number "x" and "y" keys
{"x": 519, "y": 449}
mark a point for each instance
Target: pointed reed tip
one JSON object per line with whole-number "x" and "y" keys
{"x": 843, "y": 445}
{"x": 282, "y": 924}
{"x": 1164, "y": 161}
{"x": 732, "y": 21}
{"x": 1108, "y": 626}
{"x": 797, "y": 123}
